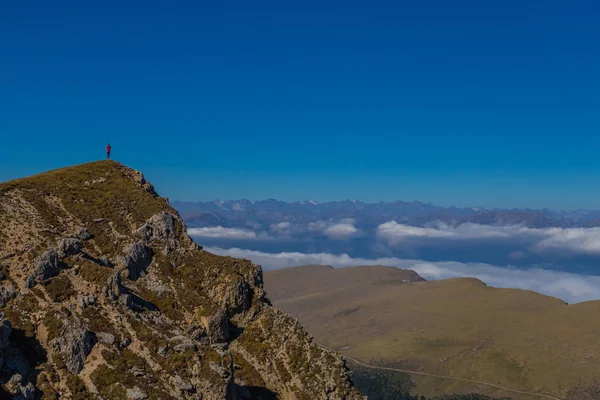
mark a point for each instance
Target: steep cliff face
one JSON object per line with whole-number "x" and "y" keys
{"x": 105, "y": 296}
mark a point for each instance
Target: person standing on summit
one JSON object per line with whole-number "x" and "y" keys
{"x": 108, "y": 151}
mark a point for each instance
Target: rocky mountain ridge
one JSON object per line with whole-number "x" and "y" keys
{"x": 104, "y": 296}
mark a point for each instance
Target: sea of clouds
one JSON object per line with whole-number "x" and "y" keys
{"x": 560, "y": 262}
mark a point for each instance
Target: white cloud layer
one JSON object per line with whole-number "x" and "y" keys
{"x": 392, "y": 233}
{"x": 282, "y": 228}
{"x": 219, "y": 232}
{"x": 569, "y": 287}
{"x": 585, "y": 240}
{"x": 340, "y": 230}
{"x": 335, "y": 230}
{"x": 581, "y": 240}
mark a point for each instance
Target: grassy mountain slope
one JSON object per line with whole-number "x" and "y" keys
{"x": 293, "y": 283}
{"x": 106, "y": 297}
{"x": 458, "y": 327}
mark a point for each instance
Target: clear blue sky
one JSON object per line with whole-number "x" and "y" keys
{"x": 493, "y": 103}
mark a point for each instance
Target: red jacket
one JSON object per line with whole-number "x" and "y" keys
{"x": 108, "y": 148}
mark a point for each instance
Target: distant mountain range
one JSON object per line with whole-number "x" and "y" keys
{"x": 244, "y": 213}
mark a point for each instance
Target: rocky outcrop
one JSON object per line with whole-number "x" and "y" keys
{"x": 137, "y": 260}
{"x": 49, "y": 264}
{"x": 111, "y": 299}
{"x": 106, "y": 338}
{"x": 217, "y": 326}
{"x": 140, "y": 180}
{"x": 68, "y": 247}
{"x": 136, "y": 394}
{"x": 8, "y": 291}
{"x": 46, "y": 266}
{"x": 86, "y": 301}
{"x": 160, "y": 227}
{"x": 113, "y": 289}
{"x": 73, "y": 345}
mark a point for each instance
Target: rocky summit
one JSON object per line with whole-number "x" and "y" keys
{"x": 104, "y": 296}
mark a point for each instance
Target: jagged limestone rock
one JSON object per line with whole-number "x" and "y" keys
{"x": 136, "y": 394}
{"x": 238, "y": 296}
{"x": 137, "y": 260}
{"x": 166, "y": 228}
{"x": 7, "y": 292}
{"x": 46, "y": 266}
{"x": 106, "y": 338}
{"x": 160, "y": 226}
{"x": 182, "y": 385}
{"x": 74, "y": 345}
{"x": 113, "y": 289}
{"x": 139, "y": 178}
{"x": 68, "y": 247}
{"x": 217, "y": 326}
{"x": 182, "y": 344}
{"x": 86, "y": 301}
